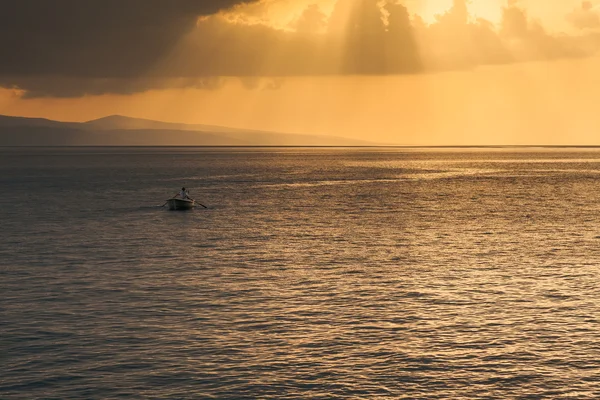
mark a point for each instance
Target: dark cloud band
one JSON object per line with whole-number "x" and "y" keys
{"x": 94, "y": 38}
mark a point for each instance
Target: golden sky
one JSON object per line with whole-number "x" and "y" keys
{"x": 417, "y": 72}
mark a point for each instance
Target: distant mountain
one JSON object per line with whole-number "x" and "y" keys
{"x": 122, "y": 122}
{"x": 118, "y": 130}
{"x": 6, "y": 121}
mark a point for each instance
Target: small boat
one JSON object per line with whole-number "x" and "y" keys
{"x": 180, "y": 204}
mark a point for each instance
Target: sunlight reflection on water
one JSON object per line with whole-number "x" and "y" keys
{"x": 312, "y": 274}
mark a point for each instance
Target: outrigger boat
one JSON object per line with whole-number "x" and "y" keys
{"x": 181, "y": 204}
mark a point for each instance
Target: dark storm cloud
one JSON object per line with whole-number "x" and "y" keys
{"x": 94, "y": 38}
{"x": 63, "y": 86}
{"x": 70, "y": 48}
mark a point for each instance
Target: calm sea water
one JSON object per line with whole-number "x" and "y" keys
{"x": 312, "y": 274}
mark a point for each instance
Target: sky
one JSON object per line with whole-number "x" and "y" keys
{"x": 408, "y": 72}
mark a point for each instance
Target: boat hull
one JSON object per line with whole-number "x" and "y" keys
{"x": 180, "y": 204}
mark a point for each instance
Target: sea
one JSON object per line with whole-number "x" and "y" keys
{"x": 312, "y": 273}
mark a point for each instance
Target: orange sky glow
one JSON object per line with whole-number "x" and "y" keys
{"x": 524, "y": 98}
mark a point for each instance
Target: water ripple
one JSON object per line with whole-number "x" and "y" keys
{"x": 320, "y": 274}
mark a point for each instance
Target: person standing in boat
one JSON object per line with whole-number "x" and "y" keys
{"x": 184, "y": 194}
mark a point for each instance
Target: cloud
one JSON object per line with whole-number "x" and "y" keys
{"x": 94, "y": 38}
{"x": 585, "y": 17}
{"x": 68, "y": 86}
{"x": 312, "y": 20}
{"x": 71, "y": 48}
{"x": 526, "y": 40}
{"x": 369, "y": 39}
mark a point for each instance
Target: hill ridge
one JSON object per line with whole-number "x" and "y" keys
{"x": 116, "y": 130}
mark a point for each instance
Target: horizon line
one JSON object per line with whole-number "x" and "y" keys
{"x": 474, "y": 146}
